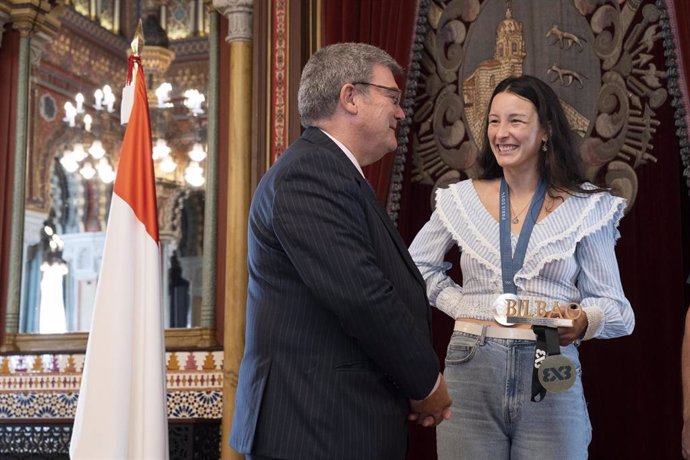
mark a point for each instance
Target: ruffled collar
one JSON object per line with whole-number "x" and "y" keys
{"x": 554, "y": 237}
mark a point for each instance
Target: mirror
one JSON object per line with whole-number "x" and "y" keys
{"x": 74, "y": 136}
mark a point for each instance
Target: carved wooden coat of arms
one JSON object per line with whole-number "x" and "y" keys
{"x": 597, "y": 56}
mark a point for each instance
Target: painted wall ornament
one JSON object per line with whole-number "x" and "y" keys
{"x": 597, "y": 56}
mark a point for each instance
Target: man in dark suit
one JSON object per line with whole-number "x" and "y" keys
{"x": 338, "y": 349}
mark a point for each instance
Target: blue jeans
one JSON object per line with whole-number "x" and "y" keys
{"x": 490, "y": 381}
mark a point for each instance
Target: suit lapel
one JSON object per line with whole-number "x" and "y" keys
{"x": 392, "y": 231}
{"x": 315, "y": 136}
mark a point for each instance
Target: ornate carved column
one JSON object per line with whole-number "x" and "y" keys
{"x": 36, "y": 21}
{"x": 208, "y": 288}
{"x": 38, "y": 43}
{"x": 239, "y": 14}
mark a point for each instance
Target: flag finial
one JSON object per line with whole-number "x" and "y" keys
{"x": 138, "y": 40}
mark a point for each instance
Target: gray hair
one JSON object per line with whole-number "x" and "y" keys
{"x": 332, "y": 67}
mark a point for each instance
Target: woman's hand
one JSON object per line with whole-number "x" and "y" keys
{"x": 568, "y": 335}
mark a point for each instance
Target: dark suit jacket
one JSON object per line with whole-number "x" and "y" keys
{"x": 338, "y": 324}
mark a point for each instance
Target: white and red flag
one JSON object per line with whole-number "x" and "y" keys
{"x": 122, "y": 412}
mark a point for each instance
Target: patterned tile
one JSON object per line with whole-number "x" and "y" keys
{"x": 47, "y": 386}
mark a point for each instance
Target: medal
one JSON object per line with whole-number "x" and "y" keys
{"x": 556, "y": 373}
{"x": 552, "y": 371}
{"x": 501, "y": 307}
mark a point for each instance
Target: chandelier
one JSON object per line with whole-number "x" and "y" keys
{"x": 91, "y": 160}
{"x": 177, "y": 123}
{"x": 181, "y": 124}
{"x": 165, "y": 162}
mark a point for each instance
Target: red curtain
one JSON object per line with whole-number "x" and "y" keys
{"x": 9, "y": 63}
{"x": 632, "y": 384}
{"x": 388, "y": 24}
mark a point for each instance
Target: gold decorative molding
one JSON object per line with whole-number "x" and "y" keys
{"x": 157, "y": 59}
{"x": 38, "y": 44}
{"x": 175, "y": 339}
{"x": 279, "y": 65}
{"x": 35, "y": 16}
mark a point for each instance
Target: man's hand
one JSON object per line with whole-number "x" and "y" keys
{"x": 434, "y": 409}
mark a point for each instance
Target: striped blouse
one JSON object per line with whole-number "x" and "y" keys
{"x": 570, "y": 258}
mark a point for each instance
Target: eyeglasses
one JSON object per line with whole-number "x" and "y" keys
{"x": 392, "y": 93}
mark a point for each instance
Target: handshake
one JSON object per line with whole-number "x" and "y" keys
{"x": 434, "y": 409}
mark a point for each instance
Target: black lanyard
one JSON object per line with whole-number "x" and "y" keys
{"x": 546, "y": 346}
{"x": 511, "y": 263}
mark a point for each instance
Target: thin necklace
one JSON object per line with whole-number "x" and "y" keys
{"x": 516, "y": 217}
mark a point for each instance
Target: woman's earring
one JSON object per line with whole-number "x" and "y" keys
{"x": 544, "y": 147}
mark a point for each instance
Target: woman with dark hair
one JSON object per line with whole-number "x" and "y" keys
{"x": 531, "y": 230}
